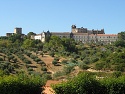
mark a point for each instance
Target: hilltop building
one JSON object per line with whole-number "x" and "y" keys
{"x": 16, "y": 31}
{"x": 81, "y": 34}
{"x": 85, "y": 30}
{"x": 41, "y": 36}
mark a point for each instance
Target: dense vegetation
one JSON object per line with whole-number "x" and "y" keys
{"x": 88, "y": 84}
{"x": 17, "y": 55}
{"x": 20, "y": 84}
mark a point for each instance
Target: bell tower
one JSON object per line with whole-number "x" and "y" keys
{"x": 73, "y": 28}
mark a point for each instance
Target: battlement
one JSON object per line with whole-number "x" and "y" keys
{"x": 85, "y": 30}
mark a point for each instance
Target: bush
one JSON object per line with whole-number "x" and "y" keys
{"x": 56, "y": 58}
{"x": 37, "y": 59}
{"x": 58, "y": 74}
{"x": 30, "y": 69}
{"x": 44, "y": 69}
{"x": 33, "y": 56}
{"x": 83, "y": 65}
{"x": 46, "y": 76}
{"x": 54, "y": 62}
{"x": 117, "y": 74}
{"x": 52, "y": 54}
{"x": 119, "y": 68}
{"x": 42, "y": 54}
{"x": 28, "y": 54}
{"x": 1, "y": 59}
{"x": 14, "y": 60}
{"x": 85, "y": 83}
{"x": 67, "y": 69}
{"x": 27, "y": 61}
{"x": 99, "y": 66}
{"x": 64, "y": 61}
{"x": 21, "y": 84}
{"x": 82, "y": 84}
{"x": 6, "y": 67}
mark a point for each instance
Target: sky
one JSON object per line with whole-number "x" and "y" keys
{"x": 58, "y": 15}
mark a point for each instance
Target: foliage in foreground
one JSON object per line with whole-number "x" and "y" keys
{"x": 88, "y": 84}
{"x": 20, "y": 84}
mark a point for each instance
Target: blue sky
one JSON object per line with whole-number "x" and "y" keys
{"x": 58, "y": 15}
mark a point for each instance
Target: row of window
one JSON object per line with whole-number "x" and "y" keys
{"x": 89, "y": 37}
{"x": 92, "y": 37}
{"x": 94, "y": 40}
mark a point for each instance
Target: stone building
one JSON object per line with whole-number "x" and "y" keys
{"x": 85, "y": 30}
{"x": 9, "y": 34}
{"x": 16, "y": 31}
{"x": 81, "y": 34}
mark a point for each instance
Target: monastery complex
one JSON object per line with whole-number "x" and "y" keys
{"x": 78, "y": 34}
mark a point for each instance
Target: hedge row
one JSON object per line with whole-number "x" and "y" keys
{"x": 21, "y": 84}
{"x": 86, "y": 84}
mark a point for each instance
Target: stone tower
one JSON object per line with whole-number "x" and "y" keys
{"x": 18, "y": 30}
{"x": 73, "y": 28}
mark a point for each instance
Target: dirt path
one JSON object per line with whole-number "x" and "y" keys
{"x": 48, "y": 89}
{"x": 47, "y": 60}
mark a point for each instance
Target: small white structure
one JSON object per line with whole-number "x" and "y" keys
{"x": 39, "y": 37}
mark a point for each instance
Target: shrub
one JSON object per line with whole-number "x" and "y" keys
{"x": 67, "y": 69}
{"x": 27, "y": 61}
{"x": 99, "y": 66}
{"x": 1, "y": 59}
{"x": 52, "y": 54}
{"x": 6, "y": 67}
{"x": 37, "y": 59}
{"x": 30, "y": 69}
{"x": 58, "y": 74}
{"x": 117, "y": 74}
{"x": 56, "y": 58}
{"x": 64, "y": 61}
{"x": 14, "y": 60}
{"x": 28, "y": 54}
{"x": 44, "y": 68}
{"x": 119, "y": 68}
{"x": 33, "y": 56}
{"x": 42, "y": 54}
{"x": 21, "y": 84}
{"x": 46, "y": 76}
{"x": 82, "y": 65}
{"x": 54, "y": 62}
{"x": 82, "y": 84}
